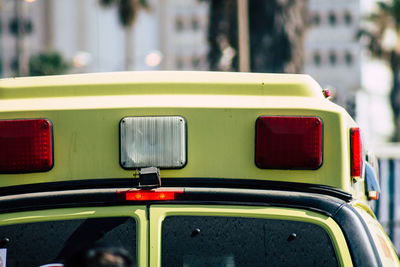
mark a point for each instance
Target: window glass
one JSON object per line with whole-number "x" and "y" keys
{"x": 348, "y": 18}
{"x": 180, "y": 64}
{"x": 195, "y": 62}
{"x": 332, "y": 18}
{"x": 348, "y": 58}
{"x": 40, "y": 243}
{"x": 317, "y": 59}
{"x": 317, "y": 19}
{"x": 179, "y": 24}
{"x": 195, "y": 24}
{"x": 231, "y": 241}
{"x": 332, "y": 58}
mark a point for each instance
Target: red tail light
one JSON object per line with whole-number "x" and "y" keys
{"x": 149, "y": 195}
{"x": 25, "y": 146}
{"x": 288, "y": 142}
{"x": 356, "y": 153}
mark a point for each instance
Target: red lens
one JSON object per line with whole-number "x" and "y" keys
{"x": 25, "y": 146}
{"x": 149, "y": 195}
{"x": 288, "y": 142}
{"x": 356, "y": 153}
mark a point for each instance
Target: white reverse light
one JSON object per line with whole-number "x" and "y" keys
{"x": 153, "y": 142}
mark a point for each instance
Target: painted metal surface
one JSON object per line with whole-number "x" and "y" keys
{"x": 220, "y": 110}
{"x": 383, "y": 244}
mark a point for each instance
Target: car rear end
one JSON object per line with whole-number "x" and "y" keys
{"x": 194, "y": 169}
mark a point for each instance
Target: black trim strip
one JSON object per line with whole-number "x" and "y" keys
{"x": 89, "y": 197}
{"x": 179, "y": 182}
{"x": 258, "y": 184}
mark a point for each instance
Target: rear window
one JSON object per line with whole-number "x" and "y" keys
{"x": 231, "y": 241}
{"x": 40, "y": 243}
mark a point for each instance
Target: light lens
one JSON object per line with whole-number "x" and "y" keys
{"x": 356, "y": 153}
{"x": 25, "y": 146}
{"x": 288, "y": 142}
{"x": 153, "y": 142}
{"x": 373, "y": 195}
{"x": 149, "y": 195}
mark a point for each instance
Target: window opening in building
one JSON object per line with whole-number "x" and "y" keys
{"x": 317, "y": 59}
{"x": 332, "y": 18}
{"x": 195, "y": 62}
{"x": 179, "y": 25}
{"x": 195, "y": 24}
{"x": 316, "y": 19}
{"x": 332, "y": 58}
{"x": 348, "y": 18}
{"x": 179, "y": 63}
{"x": 348, "y": 58}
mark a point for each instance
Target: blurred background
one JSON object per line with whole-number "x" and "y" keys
{"x": 351, "y": 47}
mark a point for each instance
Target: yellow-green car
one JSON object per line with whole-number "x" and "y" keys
{"x": 185, "y": 169}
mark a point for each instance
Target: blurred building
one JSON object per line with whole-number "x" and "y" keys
{"x": 184, "y": 25}
{"x": 13, "y": 45}
{"x": 335, "y": 58}
{"x": 332, "y": 51}
{"x": 171, "y": 35}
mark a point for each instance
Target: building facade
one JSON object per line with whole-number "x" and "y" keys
{"x": 332, "y": 50}
{"x": 170, "y": 35}
{"x": 183, "y": 28}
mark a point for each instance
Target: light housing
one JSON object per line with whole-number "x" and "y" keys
{"x": 284, "y": 142}
{"x": 153, "y": 142}
{"x": 149, "y": 177}
{"x": 356, "y": 154}
{"x": 26, "y": 146}
{"x": 372, "y": 188}
{"x": 149, "y": 195}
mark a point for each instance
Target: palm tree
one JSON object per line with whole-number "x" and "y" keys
{"x": 127, "y": 14}
{"x": 276, "y": 35}
{"x": 386, "y": 21}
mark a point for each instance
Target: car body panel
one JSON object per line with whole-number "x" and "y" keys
{"x": 220, "y": 110}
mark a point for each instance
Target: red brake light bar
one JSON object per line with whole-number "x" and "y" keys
{"x": 288, "y": 142}
{"x": 356, "y": 153}
{"x": 26, "y": 146}
{"x": 149, "y": 195}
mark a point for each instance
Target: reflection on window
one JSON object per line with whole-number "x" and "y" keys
{"x": 39, "y": 243}
{"x": 231, "y": 241}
